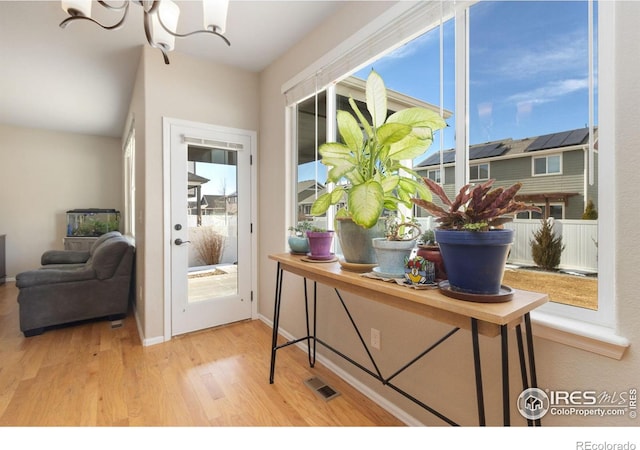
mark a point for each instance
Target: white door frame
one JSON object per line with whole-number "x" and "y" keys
{"x": 166, "y": 211}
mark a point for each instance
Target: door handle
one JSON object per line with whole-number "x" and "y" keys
{"x": 180, "y": 242}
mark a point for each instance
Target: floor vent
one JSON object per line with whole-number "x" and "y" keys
{"x": 321, "y": 389}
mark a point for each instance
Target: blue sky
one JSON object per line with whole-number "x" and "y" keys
{"x": 528, "y": 65}
{"x": 528, "y": 69}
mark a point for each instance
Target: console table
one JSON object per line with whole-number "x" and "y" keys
{"x": 487, "y": 319}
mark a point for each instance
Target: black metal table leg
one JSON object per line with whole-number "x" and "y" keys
{"x": 523, "y": 364}
{"x": 506, "y": 412}
{"x": 478, "y": 372}
{"x": 532, "y": 361}
{"x": 315, "y": 315}
{"x": 276, "y": 321}
{"x": 306, "y": 314}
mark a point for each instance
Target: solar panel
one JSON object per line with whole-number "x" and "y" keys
{"x": 555, "y": 140}
{"x": 539, "y": 143}
{"x": 577, "y": 136}
{"x": 449, "y": 156}
{"x": 487, "y": 150}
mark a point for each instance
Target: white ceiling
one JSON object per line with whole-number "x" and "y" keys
{"x": 80, "y": 79}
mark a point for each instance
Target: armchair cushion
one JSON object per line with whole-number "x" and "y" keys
{"x": 53, "y": 276}
{"x": 64, "y": 257}
{"x": 106, "y": 258}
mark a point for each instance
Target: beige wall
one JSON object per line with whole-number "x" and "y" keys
{"x": 137, "y": 115}
{"x": 187, "y": 89}
{"x": 403, "y": 335}
{"x": 43, "y": 174}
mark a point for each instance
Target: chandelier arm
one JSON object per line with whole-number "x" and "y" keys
{"x": 147, "y": 32}
{"x": 202, "y": 31}
{"x": 186, "y": 34}
{"x": 124, "y": 7}
{"x": 164, "y": 55}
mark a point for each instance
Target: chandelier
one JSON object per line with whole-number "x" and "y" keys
{"x": 160, "y": 19}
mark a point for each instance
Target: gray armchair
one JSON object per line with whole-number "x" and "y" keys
{"x": 72, "y": 286}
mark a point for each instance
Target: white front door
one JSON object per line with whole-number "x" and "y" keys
{"x": 210, "y": 236}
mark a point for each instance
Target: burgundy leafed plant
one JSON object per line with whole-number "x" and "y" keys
{"x": 476, "y": 207}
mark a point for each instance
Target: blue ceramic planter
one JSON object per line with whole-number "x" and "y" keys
{"x": 299, "y": 244}
{"x": 475, "y": 260}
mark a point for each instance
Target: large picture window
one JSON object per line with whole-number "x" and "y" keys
{"x": 525, "y": 103}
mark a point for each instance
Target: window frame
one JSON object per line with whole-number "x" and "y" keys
{"x": 546, "y": 172}
{"x": 129, "y": 170}
{"x": 437, "y": 173}
{"x": 471, "y": 166}
{"x": 605, "y": 315}
{"x": 559, "y": 314}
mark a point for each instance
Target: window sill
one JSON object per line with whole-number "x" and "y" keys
{"x": 585, "y": 336}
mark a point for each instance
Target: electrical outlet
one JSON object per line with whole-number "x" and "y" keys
{"x": 375, "y": 338}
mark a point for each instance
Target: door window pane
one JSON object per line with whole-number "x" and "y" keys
{"x": 213, "y": 223}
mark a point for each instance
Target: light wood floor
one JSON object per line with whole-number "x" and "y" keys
{"x": 93, "y": 375}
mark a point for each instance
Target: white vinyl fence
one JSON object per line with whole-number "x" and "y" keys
{"x": 580, "y": 239}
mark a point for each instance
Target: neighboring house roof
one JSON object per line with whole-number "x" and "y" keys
{"x": 306, "y": 193}
{"x": 196, "y": 180}
{"x": 511, "y": 147}
{"x": 307, "y": 184}
{"x": 211, "y": 201}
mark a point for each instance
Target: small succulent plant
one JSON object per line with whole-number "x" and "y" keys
{"x": 399, "y": 228}
{"x": 478, "y": 207}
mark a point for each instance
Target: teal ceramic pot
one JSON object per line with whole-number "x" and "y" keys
{"x": 299, "y": 244}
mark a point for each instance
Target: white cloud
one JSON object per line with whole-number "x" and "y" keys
{"x": 549, "y": 92}
{"x": 558, "y": 55}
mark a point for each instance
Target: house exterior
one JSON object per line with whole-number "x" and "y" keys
{"x": 553, "y": 169}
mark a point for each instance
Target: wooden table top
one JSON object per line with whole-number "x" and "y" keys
{"x": 426, "y": 302}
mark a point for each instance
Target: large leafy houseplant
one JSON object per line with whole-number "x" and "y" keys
{"x": 475, "y": 208}
{"x": 371, "y": 156}
{"x": 471, "y": 237}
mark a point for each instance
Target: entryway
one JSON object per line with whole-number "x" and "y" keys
{"x": 211, "y": 250}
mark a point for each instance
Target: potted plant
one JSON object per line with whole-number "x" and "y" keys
{"x": 298, "y": 243}
{"x": 367, "y": 166}
{"x": 391, "y": 250}
{"x": 471, "y": 237}
{"x": 320, "y": 241}
{"x": 429, "y": 250}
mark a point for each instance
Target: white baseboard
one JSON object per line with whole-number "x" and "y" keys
{"x": 145, "y": 342}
